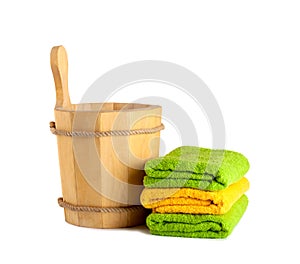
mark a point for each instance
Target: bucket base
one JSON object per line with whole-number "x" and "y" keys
{"x": 107, "y": 219}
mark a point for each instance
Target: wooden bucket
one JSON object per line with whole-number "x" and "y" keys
{"x": 102, "y": 150}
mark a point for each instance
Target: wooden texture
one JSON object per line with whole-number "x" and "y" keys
{"x": 59, "y": 66}
{"x": 104, "y": 171}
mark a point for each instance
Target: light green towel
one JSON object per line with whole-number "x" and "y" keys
{"x": 198, "y": 226}
{"x": 196, "y": 167}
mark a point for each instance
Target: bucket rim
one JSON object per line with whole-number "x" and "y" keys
{"x": 108, "y": 107}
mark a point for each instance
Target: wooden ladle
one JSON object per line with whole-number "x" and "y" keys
{"x": 59, "y": 66}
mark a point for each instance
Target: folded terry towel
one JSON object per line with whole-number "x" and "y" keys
{"x": 193, "y": 201}
{"x": 196, "y": 167}
{"x": 201, "y": 226}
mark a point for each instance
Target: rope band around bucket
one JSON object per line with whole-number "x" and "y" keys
{"x": 104, "y": 133}
{"x": 95, "y": 209}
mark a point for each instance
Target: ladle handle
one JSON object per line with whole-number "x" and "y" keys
{"x": 59, "y": 66}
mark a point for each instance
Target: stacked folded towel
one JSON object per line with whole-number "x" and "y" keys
{"x": 195, "y": 192}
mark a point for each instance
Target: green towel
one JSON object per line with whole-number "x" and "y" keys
{"x": 196, "y": 167}
{"x": 198, "y": 226}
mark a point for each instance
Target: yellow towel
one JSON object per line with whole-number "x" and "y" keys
{"x": 193, "y": 201}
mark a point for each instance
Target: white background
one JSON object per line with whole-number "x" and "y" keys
{"x": 247, "y": 52}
